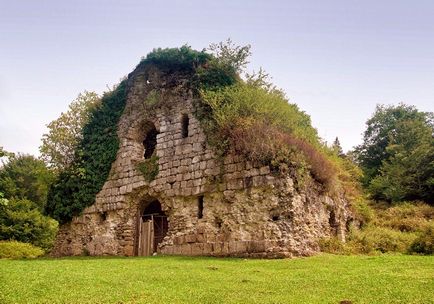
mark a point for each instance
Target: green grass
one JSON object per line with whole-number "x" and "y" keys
{"x": 319, "y": 279}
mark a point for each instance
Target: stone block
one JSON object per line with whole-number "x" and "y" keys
{"x": 258, "y": 181}
{"x": 190, "y": 238}
{"x": 235, "y": 184}
{"x": 178, "y": 240}
{"x": 264, "y": 170}
{"x": 196, "y": 190}
{"x": 185, "y": 249}
{"x": 255, "y": 246}
{"x": 208, "y": 248}
{"x": 196, "y": 249}
{"x": 202, "y": 165}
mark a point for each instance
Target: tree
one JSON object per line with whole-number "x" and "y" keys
{"x": 231, "y": 55}
{"x": 397, "y": 155}
{"x": 59, "y": 145}
{"x": 25, "y": 177}
{"x": 408, "y": 173}
{"x": 21, "y": 220}
{"x": 337, "y": 149}
{"x": 380, "y": 131}
{"x": 4, "y": 153}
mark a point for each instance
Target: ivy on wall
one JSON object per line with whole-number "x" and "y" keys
{"x": 77, "y": 186}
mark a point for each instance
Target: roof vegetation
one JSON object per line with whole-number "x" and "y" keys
{"x": 240, "y": 113}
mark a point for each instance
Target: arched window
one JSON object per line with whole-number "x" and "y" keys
{"x": 150, "y": 142}
{"x": 184, "y": 122}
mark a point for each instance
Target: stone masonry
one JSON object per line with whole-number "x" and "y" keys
{"x": 247, "y": 210}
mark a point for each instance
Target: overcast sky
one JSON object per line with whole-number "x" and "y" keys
{"x": 335, "y": 59}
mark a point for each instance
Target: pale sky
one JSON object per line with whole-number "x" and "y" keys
{"x": 335, "y": 59}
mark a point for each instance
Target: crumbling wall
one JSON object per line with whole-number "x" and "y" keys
{"x": 247, "y": 210}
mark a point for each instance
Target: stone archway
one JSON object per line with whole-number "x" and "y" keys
{"x": 152, "y": 227}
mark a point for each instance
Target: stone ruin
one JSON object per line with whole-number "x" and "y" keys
{"x": 198, "y": 204}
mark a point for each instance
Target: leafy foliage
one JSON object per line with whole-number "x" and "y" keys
{"x": 18, "y": 250}
{"x": 176, "y": 59}
{"x": 149, "y": 168}
{"x": 262, "y": 125}
{"x": 405, "y": 228}
{"x": 424, "y": 243}
{"x": 64, "y": 134}
{"x": 397, "y": 155}
{"x": 78, "y": 185}
{"x": 25, "y": 177}
{"x": 408, "y": 173}
{"x": 4, "y": 153}
{"x": 21, "y": 220}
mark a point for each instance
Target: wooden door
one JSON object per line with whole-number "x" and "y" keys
{"x": 146, "y": 237}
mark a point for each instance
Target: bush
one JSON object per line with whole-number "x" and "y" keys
{"x": 424, "y": 243}
{"x": 21, "y": 220}
{"x": 149, "y": 168}
{"x": 382, "y": 239}
{"x": 332, "y": 245}
{"x": 363, "y": 213}
{"x": 18, "y": 250}
{"x": 262, "y": 126}
{"x": 405, "y": 216}
{"x": 25, "y": 177}
{"x": 176, "y": 59}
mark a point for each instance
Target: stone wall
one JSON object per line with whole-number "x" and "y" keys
{"x": 247, "y": 210}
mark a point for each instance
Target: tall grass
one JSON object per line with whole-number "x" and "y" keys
{"x": 264, "y": 127}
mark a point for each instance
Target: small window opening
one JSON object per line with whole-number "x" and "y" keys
{"x": 275, "y": 218}
{"x": 200, "y": 207}
{"x": 332, "y": 219}
{"x": 103, "y": 216}
{"x": 150, "y": 142}
{"x": 185, "y": 122}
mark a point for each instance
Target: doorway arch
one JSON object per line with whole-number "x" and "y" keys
{"x": 152, "y": 227}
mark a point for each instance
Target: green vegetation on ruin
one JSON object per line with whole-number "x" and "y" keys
{"x": 320, "y": 279}
{"x": 231, "y": 110}
{"x": 77, "y": 185}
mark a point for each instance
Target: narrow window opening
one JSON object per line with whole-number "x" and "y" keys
{"x": 332, "y": 219}
{"x": 150, "y": 142}
{"x": 200, "y": 207}
{"x": 275, "y": 218}
{"x": 185, "y": 122}
{"x": 103, "y": 217}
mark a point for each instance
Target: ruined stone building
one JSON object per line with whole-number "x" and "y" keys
{"x": 198, "y": 203}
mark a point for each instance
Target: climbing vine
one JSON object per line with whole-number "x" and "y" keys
{"x": 77, "y": 186}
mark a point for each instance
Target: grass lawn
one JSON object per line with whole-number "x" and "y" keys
{"x": 319, "y": 279}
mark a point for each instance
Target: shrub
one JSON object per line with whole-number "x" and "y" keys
{"x": 363, "y": 213}
{"x": 22, "y": 221}
{"x": 332, "y": 245}
{"x": 176, "y": 59}
{"x": 382, "y": 239}
{"x": 18, "y": 250}
{"x": 149, "y": 168}
{"x": 424, "y": 243}
{"x": 405, "y": 216}
{"x": 262, "y": 125}
{"x": 25, "y": 177}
